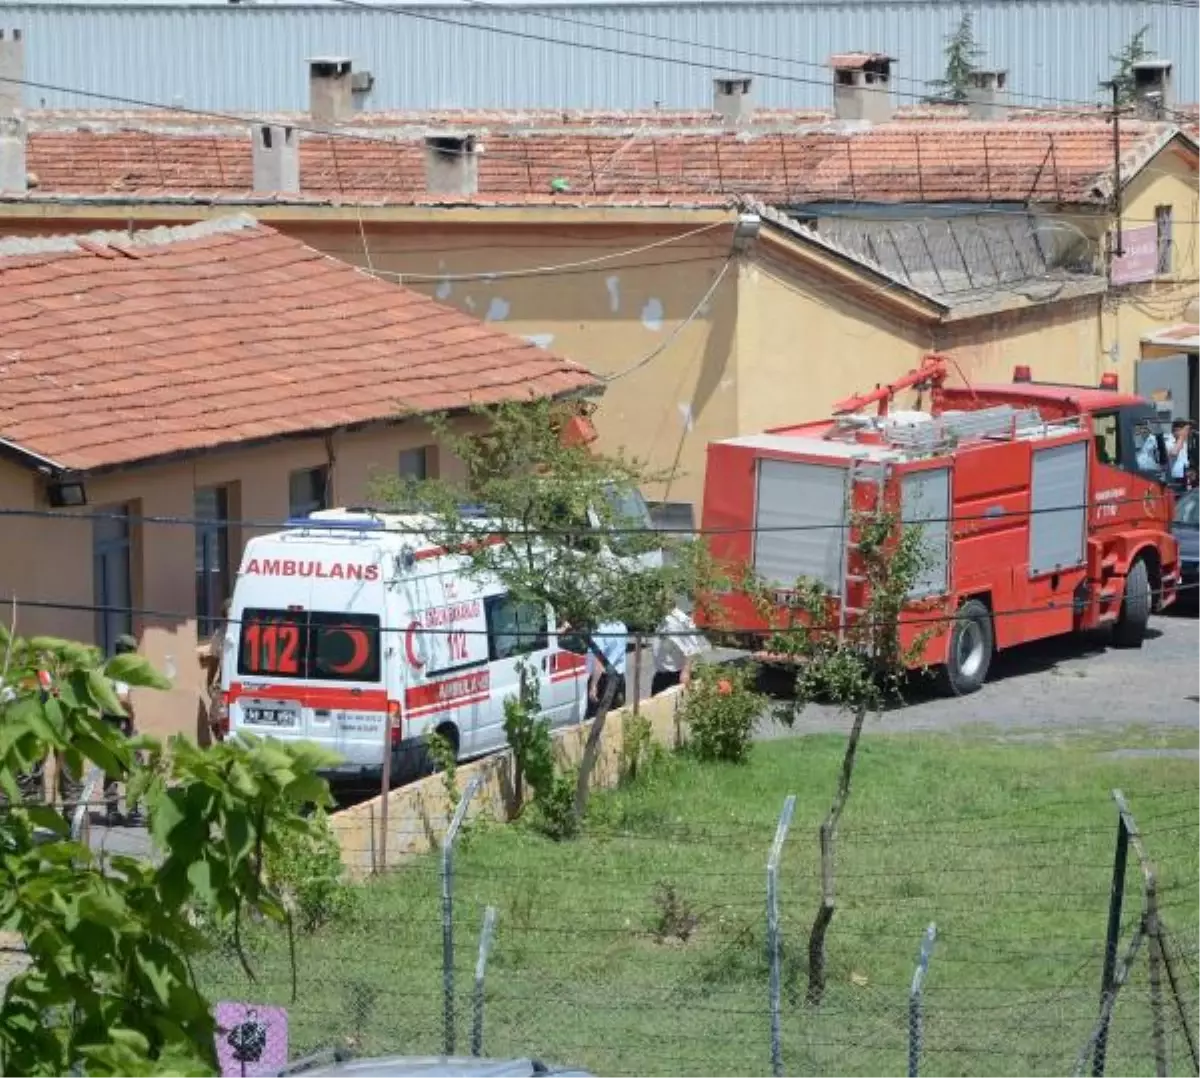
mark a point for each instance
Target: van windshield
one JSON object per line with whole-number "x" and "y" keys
{"x": 628, "y": 507}
{"x": 309, "y": 644}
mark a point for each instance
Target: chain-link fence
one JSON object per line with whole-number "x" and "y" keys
{"x": 644, "y": 947}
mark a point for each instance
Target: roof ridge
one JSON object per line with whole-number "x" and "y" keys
{"x": 89, "y": 242}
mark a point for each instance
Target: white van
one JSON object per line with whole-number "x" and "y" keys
{"x": 349, "y": 619}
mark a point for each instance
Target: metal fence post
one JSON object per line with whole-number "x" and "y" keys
{"x": 485, "y": 947}
{"x": 916, "y": 1023}
{"x": 460, "y": 813}
{"x": 1112, "y": 937}
{"x": 773, "y": 940}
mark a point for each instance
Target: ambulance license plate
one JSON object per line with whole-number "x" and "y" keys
{"x": 271, "y": 716}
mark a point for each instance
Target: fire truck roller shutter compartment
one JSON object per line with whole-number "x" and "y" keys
{"x": 1059, "y": 496}
{"x": 925, "y": 502}
{"x": 799, "y": 512}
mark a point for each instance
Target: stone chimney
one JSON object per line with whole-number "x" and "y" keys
{"x": 732, "y": 100}
{"x": 14, "y": 174}
{"x": 330, "y": 89}
{"x": 987, "y": 95}
{"x": 861, "y": 86}
{"x": 1153, "y": 90}
{"x": 275, "y": 158}
{"x": 451, "y": 165}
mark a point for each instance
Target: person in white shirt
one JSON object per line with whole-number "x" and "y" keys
{"x": 611, "y": 638}
{"x": 1177, "y": 449}
{"x": 676, "y": 644}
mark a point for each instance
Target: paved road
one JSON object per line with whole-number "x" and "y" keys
{"x": 1069, "y": 683}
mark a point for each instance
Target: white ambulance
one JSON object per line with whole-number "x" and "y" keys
{"x": 349, "y": 619}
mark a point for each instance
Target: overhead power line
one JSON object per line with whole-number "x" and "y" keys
{"x": 67, "y": 516}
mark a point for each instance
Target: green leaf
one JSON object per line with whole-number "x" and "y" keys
{"x": 135, "y": 670}
{"x": 165, "y": 815}
{"x": 199, "y": 875}
{"x": 101, "y": 690}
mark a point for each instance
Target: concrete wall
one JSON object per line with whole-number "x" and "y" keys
{"x": 418, "y": 814}
{"x": 51, "y": 559}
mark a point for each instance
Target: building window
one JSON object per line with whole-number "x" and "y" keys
{"x": 308, "y": 491}
{"x": 416, "y": 465}
{"x": 212, "y": 556}
{"x": 1162, "y": 222}
{"x": 112, "y": 584}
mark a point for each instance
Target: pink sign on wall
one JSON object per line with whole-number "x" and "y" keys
{"x": 251, "y": 1041}
{"x": 1139, "y": 258}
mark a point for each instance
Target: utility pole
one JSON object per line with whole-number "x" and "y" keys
{"x": 1118, "y": 247}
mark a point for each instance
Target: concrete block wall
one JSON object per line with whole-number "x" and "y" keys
{"x": 418, "y": 814}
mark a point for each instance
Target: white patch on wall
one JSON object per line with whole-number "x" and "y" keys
{"x": 540, "y": 340}
{"x": 613, "y": 284}
{"x": 685, "y": 413}
{"x": 726, "y": 383}
{"x": 469, "y": 303}
{"x": 497, "y": 310}
{"x": 652, "y": 314}
{"x": 444, "y": 287}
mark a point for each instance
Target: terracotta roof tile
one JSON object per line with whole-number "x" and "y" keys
{"x": 936, "y": 157}
{"x": 228, "y": 332}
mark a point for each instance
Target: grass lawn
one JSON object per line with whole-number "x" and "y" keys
{"x": 1006, "y": 845}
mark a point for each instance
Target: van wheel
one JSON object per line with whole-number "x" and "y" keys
{"x": 1130, "y": 629}
{"x": 972, "y": 641}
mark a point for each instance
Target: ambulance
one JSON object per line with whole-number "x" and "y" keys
{"x": 348, "y": 623}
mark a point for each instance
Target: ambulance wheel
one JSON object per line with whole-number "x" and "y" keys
{"x": 970, "y": 654}
{"x": 1130, "y": 629}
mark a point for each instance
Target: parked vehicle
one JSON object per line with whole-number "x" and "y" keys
{"x": 333, "y": 1064}
{"x": 1037, "y": 519}
{"x": 1186, "y": 529}
{"x": 348, "y": 620}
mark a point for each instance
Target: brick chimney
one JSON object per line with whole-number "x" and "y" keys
{"x": 451, "y": 165}
{"x": 14, "y": 174}
{"x": 987, "y": 95}
{"x": 330, "y": 89}
{"x": 732, "y": 100}
{"x": 1153, "y": 89}
{"x": 275, "y": 159}
{"x": 861, "y": 86}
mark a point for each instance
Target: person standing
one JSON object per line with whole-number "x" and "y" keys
{"x": 677, "y": 643}
{"x": 124, "y": 722}
{"x": 210, "y": 728}
{"x": 611, "y": 637}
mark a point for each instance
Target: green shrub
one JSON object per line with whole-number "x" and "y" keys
{"x": 308, "y": 871}
{"x": 720, "y": 709}
{"x": 533, "y": 754}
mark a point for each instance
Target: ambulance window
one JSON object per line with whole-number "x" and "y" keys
{"x": 514, "y": 627}
{"x": 343, "y": 647}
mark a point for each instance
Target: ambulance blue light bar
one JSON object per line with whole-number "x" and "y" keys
{"x": 364, "y": 525}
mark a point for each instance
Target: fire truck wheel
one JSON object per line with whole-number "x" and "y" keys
{"x": 1130, "y": 629}
{"x": 971, "y": 645}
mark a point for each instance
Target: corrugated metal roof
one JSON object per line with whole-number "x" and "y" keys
{"x": 251, "y": 56}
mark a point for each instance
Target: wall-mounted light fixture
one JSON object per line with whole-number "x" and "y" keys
{"x": 66, "y": 493}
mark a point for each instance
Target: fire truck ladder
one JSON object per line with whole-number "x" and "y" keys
{"x": 946, "y": 431}
{"x": 859, "y": 468}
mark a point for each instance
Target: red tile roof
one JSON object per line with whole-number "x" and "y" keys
{"x": 927, "y": 159}
{"x": 116, "y": 350}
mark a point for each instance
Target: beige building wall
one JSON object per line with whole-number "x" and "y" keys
{"x": 623, "y": 300}
{"x": 51, "y": 559}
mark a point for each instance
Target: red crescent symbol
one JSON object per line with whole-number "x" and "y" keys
{"x": 362, "y": 648}
{"x": 410, "y": 644}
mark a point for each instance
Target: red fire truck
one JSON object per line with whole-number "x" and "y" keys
{"x": 1042, "y": 507}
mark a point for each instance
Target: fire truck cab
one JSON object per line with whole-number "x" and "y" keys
{"x": 1044, "y": 509}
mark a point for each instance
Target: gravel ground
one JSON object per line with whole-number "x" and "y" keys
{"x": 1068, "y": 683}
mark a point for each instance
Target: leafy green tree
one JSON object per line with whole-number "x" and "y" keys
{"x": 533, "y": 488}
{"x": 1134, "y": 51}
{"x": 109, "y": 989}
{"x": 962, "y": 53}
{"x": 857, "y": 664}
